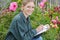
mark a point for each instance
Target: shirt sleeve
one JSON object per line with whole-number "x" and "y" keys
{"x": 24, "y": 32}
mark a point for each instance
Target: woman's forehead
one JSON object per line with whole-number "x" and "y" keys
{"x": 30, "y": 4}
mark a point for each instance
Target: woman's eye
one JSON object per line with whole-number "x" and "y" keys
{"x": 32, "y": 7}
{"x": 28, "y": 6}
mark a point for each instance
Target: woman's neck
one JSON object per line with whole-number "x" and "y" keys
{"x": 25, "y": 14}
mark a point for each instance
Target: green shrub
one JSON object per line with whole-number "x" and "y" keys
{"x": 37, "y": 18}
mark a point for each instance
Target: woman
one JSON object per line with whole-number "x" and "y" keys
{"x": 20, "y": 28}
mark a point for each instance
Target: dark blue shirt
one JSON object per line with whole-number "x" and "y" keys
{"x": 20, "y": 29}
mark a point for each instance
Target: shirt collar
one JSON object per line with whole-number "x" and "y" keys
{"x": 24, "y": 18}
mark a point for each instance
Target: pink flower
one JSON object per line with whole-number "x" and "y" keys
{"x": 41, "y": 4}
{"x": 13, "y": 6}
{"x": 57, "y": 18}
{"x": 55, "y": 26}
{"x": 54, "y": 21}
{"x": 58, "y": 22}
{"x": 44, "y": 1}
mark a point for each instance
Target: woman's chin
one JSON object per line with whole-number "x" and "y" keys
{"x": 30, "y": 13}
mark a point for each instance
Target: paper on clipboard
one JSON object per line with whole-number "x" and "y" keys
{"x": 45, "y": 28}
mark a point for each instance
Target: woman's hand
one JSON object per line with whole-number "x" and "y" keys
{"x": 43, "y": 27}
{"x": 39, "y": 28}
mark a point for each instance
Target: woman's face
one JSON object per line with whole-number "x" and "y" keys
{"x": 29, "y": 8}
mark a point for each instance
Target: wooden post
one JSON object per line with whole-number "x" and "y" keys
{"x": 36, "y": 3}
{"x": 56, "y": 2}
{"x": 50, "y": 3}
